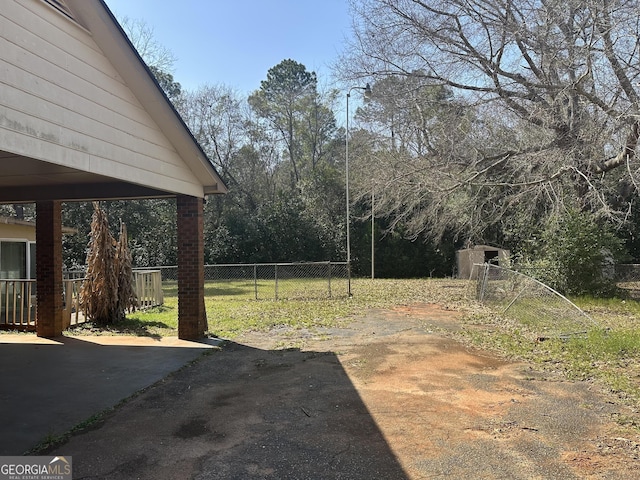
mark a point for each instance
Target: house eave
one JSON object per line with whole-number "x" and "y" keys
{"x": 27, "y": 223}
{"x": 111, "y": 38}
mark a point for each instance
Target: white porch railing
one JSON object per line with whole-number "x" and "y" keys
{"x": 148, "y": 288}
{"x": 18, "y": 299}
{"x": 71, "y": 312}
{"x": 17, "y": 304}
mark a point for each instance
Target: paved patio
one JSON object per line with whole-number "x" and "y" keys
{"x": 49, "y": 386}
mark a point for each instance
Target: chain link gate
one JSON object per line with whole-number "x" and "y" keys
{"x": 529, "y": 301}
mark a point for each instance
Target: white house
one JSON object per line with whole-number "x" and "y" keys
{"x": 83, "y": 118}
{"x": 18, "y": 248}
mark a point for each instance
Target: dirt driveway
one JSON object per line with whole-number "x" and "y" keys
{"x": 389, "y": 397}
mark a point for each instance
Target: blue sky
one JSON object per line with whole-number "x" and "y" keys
{"x": 235, "y": 42}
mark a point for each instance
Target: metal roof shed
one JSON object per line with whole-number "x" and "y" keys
{"x": 467, "y": 257}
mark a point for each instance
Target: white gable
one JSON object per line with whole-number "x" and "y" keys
{"x": 78, "y": 107}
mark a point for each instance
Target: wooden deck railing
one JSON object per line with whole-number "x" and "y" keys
{"x": 18, "y": 299}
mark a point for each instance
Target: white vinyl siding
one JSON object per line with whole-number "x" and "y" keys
{"x": 62, "y": 101}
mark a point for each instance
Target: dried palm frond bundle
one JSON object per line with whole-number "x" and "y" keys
{"x": 99, "y": 292}
{"x": 127, "y": 298}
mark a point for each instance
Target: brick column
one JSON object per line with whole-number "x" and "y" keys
{"x": 49, "y": 269}
{"x": 192, "y": 317}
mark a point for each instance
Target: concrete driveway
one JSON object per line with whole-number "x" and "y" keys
{"x": 49, "y": 386}
{"x": 388, "y": 397}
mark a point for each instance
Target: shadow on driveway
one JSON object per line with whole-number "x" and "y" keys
{"x": 387, "y": 396}
{"x": 241, "y": 413}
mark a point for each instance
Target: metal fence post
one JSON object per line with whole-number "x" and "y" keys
{"x": 329, "y": 277}
{"x": 485, "y": 281}
{"x": 275, "y": 274}
{"x": 255, "y": 278}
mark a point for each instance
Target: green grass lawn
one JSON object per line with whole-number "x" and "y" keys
{"x": 232, "y": 308}
{"x": 607, "y": 353}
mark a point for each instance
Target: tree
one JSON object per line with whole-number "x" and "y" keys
{"x": 244, "y": 155}
{"x": 219, "y": 120}
{"x": 554, "y": 90}
{"x": 282, "y": 200}
{"x": 403, "y": 139}
{"x": 22, "y": 211}
{"x": 318, "y": 129}
{"x": 144, "y": 40}
{"x": 574, "y": 255}
{"x": 171, "y": 88}
{"x": 158, "y": 58}
{"x": 283, "y": 100}
{"x": 74, "y": 247}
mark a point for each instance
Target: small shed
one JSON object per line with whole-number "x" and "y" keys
{"x": 467, "y": 257}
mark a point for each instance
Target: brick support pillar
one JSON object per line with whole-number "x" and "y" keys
{"x": 49, "y": 269}
{"x": 192, "y": 317}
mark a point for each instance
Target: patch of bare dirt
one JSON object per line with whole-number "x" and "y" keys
{"x": 386, "y": 397}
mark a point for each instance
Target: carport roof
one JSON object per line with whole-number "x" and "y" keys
{"x": 25, "y": 179}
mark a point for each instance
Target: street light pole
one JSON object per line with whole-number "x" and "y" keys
{"x": 367, "y": 94}
{"x": 373, "y": 233}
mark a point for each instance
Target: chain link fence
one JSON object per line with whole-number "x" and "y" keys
{"x": 292, "y": 281}
{"x": 536, "y": 306}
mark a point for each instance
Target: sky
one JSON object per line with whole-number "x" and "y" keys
{"x": 235, "y": 42}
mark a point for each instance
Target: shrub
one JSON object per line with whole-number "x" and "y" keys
{"x": 575, "y": 255}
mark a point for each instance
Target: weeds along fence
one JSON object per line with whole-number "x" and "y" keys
{"x": 536, "y": 306}
{"x": 263, "y": 281}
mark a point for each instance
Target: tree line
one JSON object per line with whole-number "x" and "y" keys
{"x": 506, "y": 122}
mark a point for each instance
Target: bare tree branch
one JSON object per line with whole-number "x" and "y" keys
{"x": 550, "y": 106}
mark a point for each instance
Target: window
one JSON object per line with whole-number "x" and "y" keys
{"x": 491, "y": 256}
{"x": 32, "y": 260}
{"x": 13, "y": 260}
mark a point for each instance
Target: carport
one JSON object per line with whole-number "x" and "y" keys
{"x": 82, "y": 118}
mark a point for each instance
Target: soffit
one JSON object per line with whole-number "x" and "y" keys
{"x": 24, "y": 179}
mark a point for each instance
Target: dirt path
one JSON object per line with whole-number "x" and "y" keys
{"x": 385, "y": 398}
